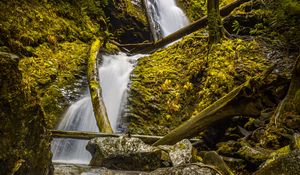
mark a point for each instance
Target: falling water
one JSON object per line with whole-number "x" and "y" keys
{"x": 114, "y": 78}
{"x": 166, "y": 16}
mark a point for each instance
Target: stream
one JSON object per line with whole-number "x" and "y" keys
{"x": 114, "y": 78}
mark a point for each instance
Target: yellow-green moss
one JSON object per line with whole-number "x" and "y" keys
{"x": 196, "y": 9}
{"x": 52, "y": 69}
{"x": 53, "y": 40}
{"x": 178, "y": 82}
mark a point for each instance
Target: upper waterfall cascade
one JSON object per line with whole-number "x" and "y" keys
{"x": 114, "y": 78}
{"x": 166, "y": 17}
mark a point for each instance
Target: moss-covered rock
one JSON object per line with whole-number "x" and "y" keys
{"x": 128, "y": 21}
{"x": 276, "y": 21}
{"x": 196, "y": 9}
{"x": 175, "y": 83}
{"x": 288, "y": 165}
{"x": 25, "y": 142}
{"x": 52, "y": 39}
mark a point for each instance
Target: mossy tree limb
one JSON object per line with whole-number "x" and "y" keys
{"x": 95, "y": 90}
{"x": 244, "y": 100}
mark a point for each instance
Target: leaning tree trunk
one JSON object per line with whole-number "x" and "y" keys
{"x": 215, "y": 26}
{"x": 95, "y": 90}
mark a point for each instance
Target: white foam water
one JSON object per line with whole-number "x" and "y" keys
{"x": 114, "y": 78}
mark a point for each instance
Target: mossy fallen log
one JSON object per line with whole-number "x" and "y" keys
{"x": 146, "y": 48}
{"x": 95, "y": 90}
{"x": 243, "y": 100}
{"x": 84, "y": 135}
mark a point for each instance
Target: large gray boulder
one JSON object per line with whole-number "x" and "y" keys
{"x": 126, "y": 153}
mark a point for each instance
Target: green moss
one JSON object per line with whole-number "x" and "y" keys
{"x": 53, "y": 40}
{"x": 50, "y": 71}
{"x": 196, "y": 9}
{"x": 178, "y": 82}
{"x": 275, "y": 21}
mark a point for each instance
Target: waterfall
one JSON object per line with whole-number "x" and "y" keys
{"x": 114, "y": 77}
{"x": 166, "y": 17}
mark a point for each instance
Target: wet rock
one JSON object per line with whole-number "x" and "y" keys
{"x": 126, "y": 154}
{"x": 284, "y": 150}
{"x": 61, "y": 169}
{"x": 254, "y": 155}
{"x": 189, "y": 169}
{"x": 212, "y": 158}
{"x": 180, "y": 153}
{"x": 285, "y": 165}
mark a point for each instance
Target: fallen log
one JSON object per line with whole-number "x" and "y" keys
{"x": 243, "y": 100}
{"x": 131, "y": 46}
{"x": 95, "y": 90}
{"x": 224, "y": 11}
{"x": 84, "y": 135}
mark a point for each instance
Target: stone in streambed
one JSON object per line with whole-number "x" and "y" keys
{"x": 188, "y": 169}
{"x": 125, "y": 153}
{"x": 181, "y": 153}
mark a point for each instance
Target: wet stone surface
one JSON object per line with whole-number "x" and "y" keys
{"x": 125, "y": 153}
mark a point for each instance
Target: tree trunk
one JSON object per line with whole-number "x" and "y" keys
{"x": 95, "y": 90}
{"x": 215, "y": 26}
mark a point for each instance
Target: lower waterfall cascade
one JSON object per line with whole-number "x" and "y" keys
{"x": 80, "y": 115}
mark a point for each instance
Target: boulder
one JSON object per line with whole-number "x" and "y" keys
{"x": 69, "y": 169}
{"x": 285, "y": 165}
{"x": 189, "y": 169}
{"x": 181, "y": 153}
{"x": 214, "y": 159}
{"x": 126, "y": 153}
{"x": 254, "y": 155}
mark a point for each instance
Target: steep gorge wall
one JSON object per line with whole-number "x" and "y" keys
{"x": 51, "y": 40}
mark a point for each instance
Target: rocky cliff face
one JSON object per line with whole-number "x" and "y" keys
{"x": 25, "y": 142}
{"x": 52, "y": 40}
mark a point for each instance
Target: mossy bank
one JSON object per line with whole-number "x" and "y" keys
{"x": 51, "y": 42}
